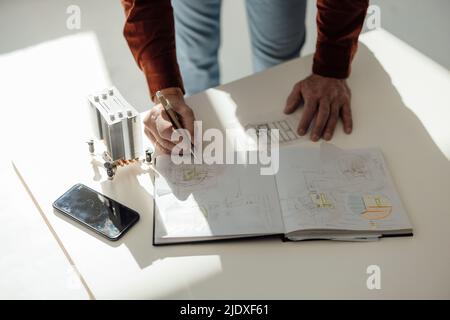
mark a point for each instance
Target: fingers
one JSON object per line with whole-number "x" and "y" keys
{"x": 158, "y": 129}
{"x": 346, "y": 114}
{"x": 187, "y": 119}
{"x": 321, "y": 119}
{"x": 294, "y": 99}
{"x": 164, "y": 127}
{"x": 326, "y": 99}
{"x": 332, "y": 122}
{"x": 307, "y": 116}
{"x": 327, "y": 118}
{"x": 185, "y": 116}
{"x": 158, "y": 147}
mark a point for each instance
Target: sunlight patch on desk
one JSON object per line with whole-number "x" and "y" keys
{"x": 175, "y": 277}
{"x": 57, "y": 73}
{"x": 225, "y": 109}
{"x": 423, "y": 98}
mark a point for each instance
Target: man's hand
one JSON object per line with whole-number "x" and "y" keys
{"x": 325, "y": 99}
{"x": 157, "y": 125}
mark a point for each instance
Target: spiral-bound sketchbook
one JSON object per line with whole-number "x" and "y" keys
{"x": 317, "y": 193}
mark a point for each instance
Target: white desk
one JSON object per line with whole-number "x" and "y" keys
{"x": 400, "y": 102}
{"x": 32, "y": 264}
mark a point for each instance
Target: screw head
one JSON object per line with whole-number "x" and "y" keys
{"x": 148, "y": 155}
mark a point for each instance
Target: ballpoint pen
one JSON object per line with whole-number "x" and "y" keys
{"x": 171, "y": 113}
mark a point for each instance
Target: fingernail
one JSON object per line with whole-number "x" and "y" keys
{"x": 301, "y": 132}
{"x": 315, "y": 137}
{"x": 327, "y": 136}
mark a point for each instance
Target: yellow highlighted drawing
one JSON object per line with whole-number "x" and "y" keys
{"x": 320, "y": 200}
{"x": 189, "y": 174}
{"x": 377, "y": 207}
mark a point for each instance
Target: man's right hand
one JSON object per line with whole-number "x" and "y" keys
{"x": 157, "y": 125}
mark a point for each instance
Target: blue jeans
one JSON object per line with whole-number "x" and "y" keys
{"x": 277, "y": 30}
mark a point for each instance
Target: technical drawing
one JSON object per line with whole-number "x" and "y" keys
{"x": 314, "y": 208}
{"x": 355, "y": 166}
{"x": 216, "y": 199}
{"x": 345, "y": 185}
{"x": 192, "y": 177}
{"x": 321, "y": 200}
{"x": 285, "y": 127}
{"x": 370, "y": 207}
{"x": 377, "y": 207}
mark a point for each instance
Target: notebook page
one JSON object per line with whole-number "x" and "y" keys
{"x": 215, "y": 200}
{"x": 330, "y": 188}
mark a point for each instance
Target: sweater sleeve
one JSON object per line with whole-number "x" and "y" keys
{"x": 339, "y": 23}
{"x": 150, "y": 33}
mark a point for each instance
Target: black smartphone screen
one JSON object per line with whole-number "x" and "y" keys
{"x": 96, "y": 211}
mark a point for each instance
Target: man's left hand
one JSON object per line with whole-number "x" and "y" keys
{"x": 325, "y": 100}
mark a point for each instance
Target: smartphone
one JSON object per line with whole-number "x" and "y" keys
{"x": 96, "y": 211}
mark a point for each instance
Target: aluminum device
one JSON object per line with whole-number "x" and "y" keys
{"x": 117, "y": 124}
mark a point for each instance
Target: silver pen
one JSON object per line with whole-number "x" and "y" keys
{"x": 171, "y": 113}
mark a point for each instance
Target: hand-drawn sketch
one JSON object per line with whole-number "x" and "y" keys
{"x": 354, "y": 167}
{"x": 335, "y": 188}
{"x": 216, "y": 200}
{"x": 316, "y": 208}
{"x": 321, "y": 200}
{"x": 286, "y": 128}
{"x": 377, "y": 207}
{"x": 184, "y": 179}
{"x": 326, "y": 192}
{"x": 371, "y": 207}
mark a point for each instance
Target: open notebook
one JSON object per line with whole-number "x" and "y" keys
{"x": 318, "y": 193}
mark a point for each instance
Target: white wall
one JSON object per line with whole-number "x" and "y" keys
{"x": 423, "y": 24}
